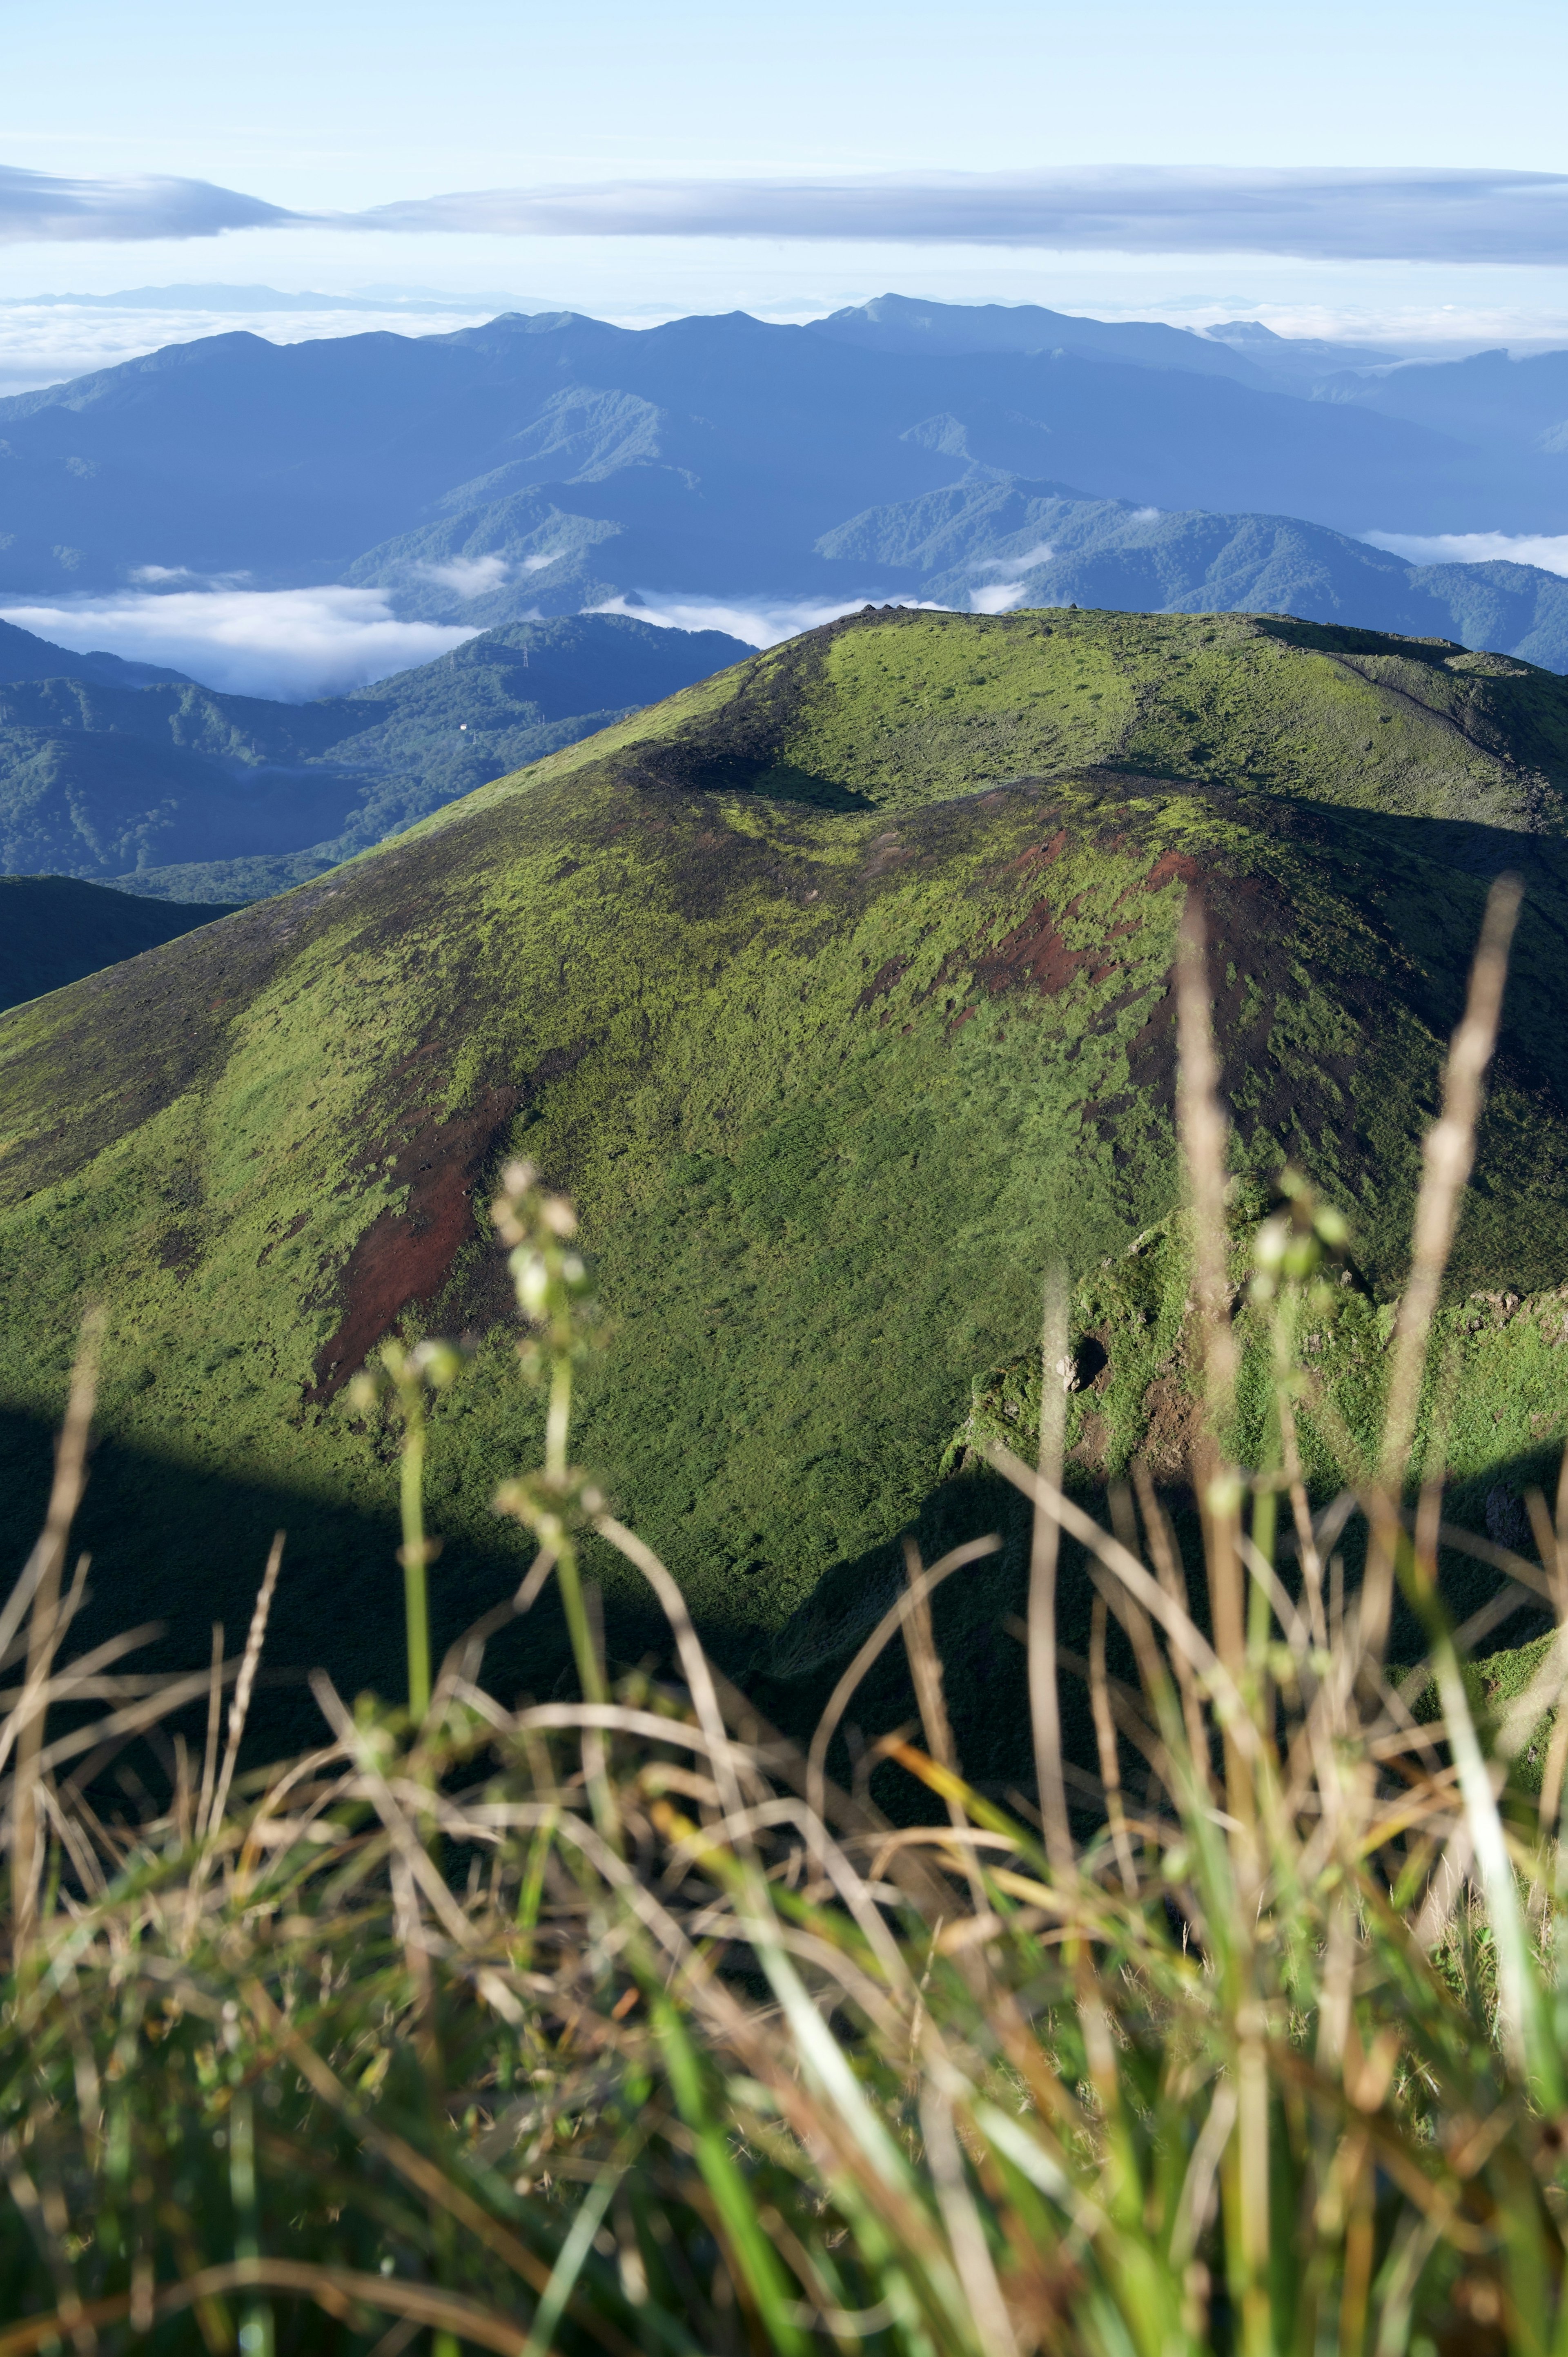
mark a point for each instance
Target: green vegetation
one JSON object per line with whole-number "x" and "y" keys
{"x": 172, "y": 789}
{"x": 1497, "y": 1393}
{"x": 836, "y": 991}
{"x": 54, "y": 930}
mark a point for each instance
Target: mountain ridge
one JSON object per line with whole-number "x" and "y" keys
{"x": 835, "y": 989}
{"x": 296, "y": 463}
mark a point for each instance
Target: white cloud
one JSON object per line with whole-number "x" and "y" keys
{"x": 1548, "y": 550}
{"x": 158, "y": 576}
{"x": 1144, "y": 515}
{"x": 471, "y": 576}
{"x": 1000, "y": 598}
{"x": 1391, "y": 213}
{"x": 760, "y": 624}
{"x": 1041, "y": 553}
{"x": 289, "y": 643}
{"x": 38, "y": 205}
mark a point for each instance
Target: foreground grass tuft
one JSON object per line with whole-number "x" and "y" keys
{"x": 612, "y": 2023}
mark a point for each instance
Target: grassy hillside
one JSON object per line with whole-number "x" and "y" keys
{"x": 54, "y": 930}
{"x": 835, "y": 989}
{"x": 179, "y": 791}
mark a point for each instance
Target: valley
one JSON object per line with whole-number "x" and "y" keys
{"x": 164, "y": 788}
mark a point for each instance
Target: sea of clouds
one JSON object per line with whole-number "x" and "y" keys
{"x": 49, "y": 341}
{"x": 291, "y": 644}
{"x": 761, "y": 622}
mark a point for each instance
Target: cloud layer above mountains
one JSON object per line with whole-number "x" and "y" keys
{"x": 1377, "y": 214}
{"x": 39, "y": 206}
{"x": 1339, "y": 215}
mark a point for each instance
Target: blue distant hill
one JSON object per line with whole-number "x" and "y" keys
{"x": 1002, "y": 544}
{"x": 715, "y": 456}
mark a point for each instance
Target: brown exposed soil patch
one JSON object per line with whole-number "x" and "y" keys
{"x": 1171, "y": 1433}
{"x": 1093, "y": 1444}
{"x": 881, "y": 983}
{"x": 1042, "y": 855}
{"x": 1170, "y": 865}
{"x": 1032, "y": 956}
{"x": 1035, "y": 956}
{"x": 404, "y": 1256}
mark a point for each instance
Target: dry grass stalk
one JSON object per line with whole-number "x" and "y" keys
{"x": 40, "y": 1580}
{"x": 892, "y": 1620}
{"x": 1044, "y": 1553}
{"x": 1448, "y": 1153}
{"x": 1205, "y": 1141}
{"x": 1105, "y": 1738}
{"x": 239, "y": 1709}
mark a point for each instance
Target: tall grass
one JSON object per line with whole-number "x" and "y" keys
{"x": 614, "y": 2024}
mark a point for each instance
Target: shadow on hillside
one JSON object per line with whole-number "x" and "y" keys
{"x": 1469, "y": 846}
{"x": 186, "y": 1547}
{"x": 681, "y": 765}
{"x": 977, "y": 1613}
{"x": 183, "y": 1546}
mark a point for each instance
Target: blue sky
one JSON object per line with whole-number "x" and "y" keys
{"x": 341, "y": 106}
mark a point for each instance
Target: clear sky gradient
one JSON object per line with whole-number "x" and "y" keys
{"x": 344, "y": 105}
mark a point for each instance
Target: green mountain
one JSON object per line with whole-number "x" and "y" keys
{"x": 170, "y": 789}
{"x": 835, "y": 989}
{"x": 1008, "y": 542}
{"x": 54, "y": 930}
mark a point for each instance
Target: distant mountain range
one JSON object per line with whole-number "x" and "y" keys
{"x": 542, "y": 464}
{"x": 981, "y": 458}
{"x": 168, "y": 789}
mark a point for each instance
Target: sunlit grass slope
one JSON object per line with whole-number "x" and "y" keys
{"x": 835, "y": 990}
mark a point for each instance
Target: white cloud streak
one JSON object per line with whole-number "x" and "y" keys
{"x": 1025, "y": 559}
{"x": 1320, "y": 214}
{"x": 470, "y": 577}
{"x": 39, "y": 207}
{"x": 1378, "y": 213}
{"x": 759, "y": 624}
{"x": 288, "y": 643}
{"x": 1548, "y": 550}
{"x": 1000, "y": 598}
